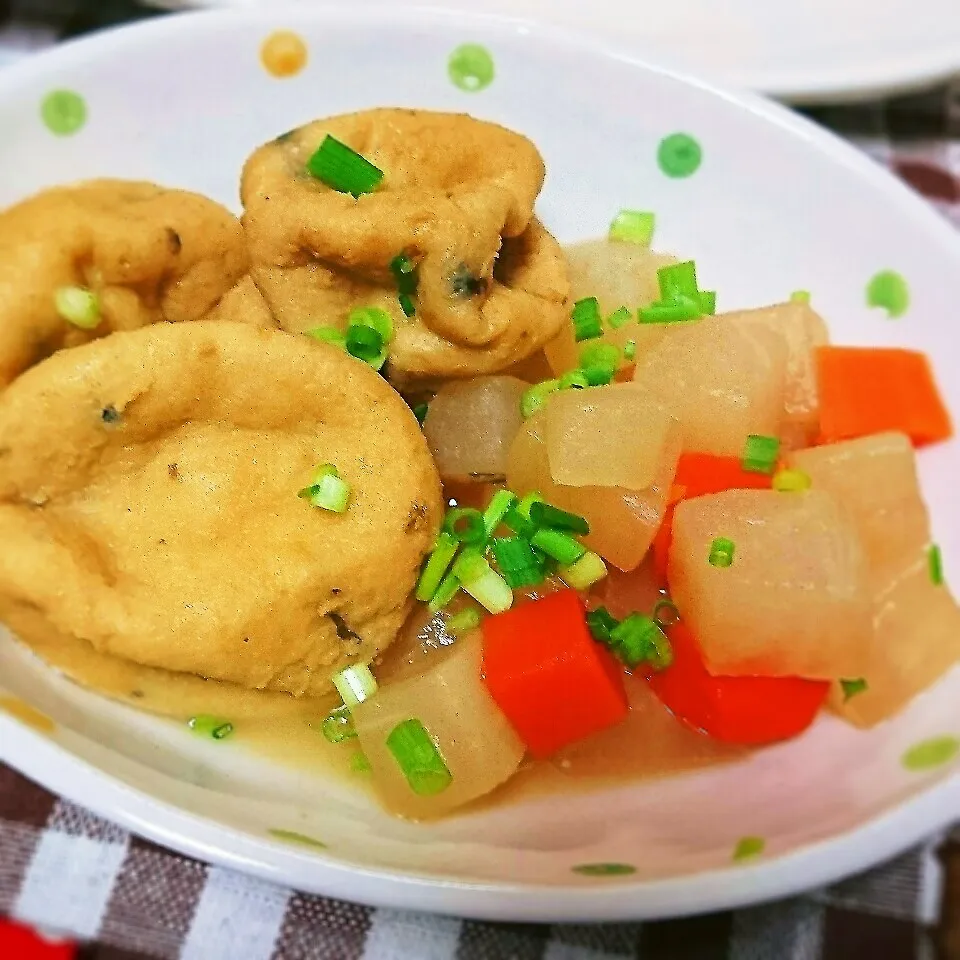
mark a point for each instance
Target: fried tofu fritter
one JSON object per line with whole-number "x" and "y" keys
{"x": 457, "y": 198}
{"x": 148, "y": 504}
{"x": 148, "y": 253}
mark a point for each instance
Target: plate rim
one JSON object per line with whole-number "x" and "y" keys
{"x": 882, "y": 836}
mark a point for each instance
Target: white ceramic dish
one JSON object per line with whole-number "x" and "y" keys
{"x": 806, "y": 51}
{"x": 775, "y": 205}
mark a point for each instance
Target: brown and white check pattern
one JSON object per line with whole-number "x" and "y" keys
{"x": 65, "y": 871}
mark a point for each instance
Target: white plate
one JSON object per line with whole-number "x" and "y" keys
{"x": 805, "y": 51}
{"x": 776, "y": 205}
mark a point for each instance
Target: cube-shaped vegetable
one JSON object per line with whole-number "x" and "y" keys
{"x": 553, "y": 681}
{"x": 615, "y": 436}
{"x": 792, "y": 600}
{"x": 472, "y": 736}
{"x": 803, "y": 331}
{"x": 623, "y": 522}
{"x": 916, "y": 640}
{"x": 875, "y": 480}
{"x": 722, "y": 381}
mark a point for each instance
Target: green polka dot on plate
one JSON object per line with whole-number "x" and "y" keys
{"x": 679, "y": 155}
{"x": 889, "y": 291}
{"x": 471, "y": 67}
{"x": 749, "y": 847}
{"x": 932, "y": 753}
{"x": 604, "y": 869}
{"x": 291, "y": 836}
{"x": 63, "y": 112}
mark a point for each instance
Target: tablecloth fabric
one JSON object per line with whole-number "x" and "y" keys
{"x": 69, "y": 873}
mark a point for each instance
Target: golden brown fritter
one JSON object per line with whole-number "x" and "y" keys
{"x": 457, "y": 198}
{"x": 148, "y": 503}
{"x": 243, "y": 303}
{"x": 147, "y": 252}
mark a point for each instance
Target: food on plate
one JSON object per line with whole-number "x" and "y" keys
{"x": 604, "y": 530}
{"x": 426, "y": 215}
{"x": 149, "y": 503}
{"x": 82, "y": 261}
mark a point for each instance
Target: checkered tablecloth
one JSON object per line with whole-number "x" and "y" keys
{"x": 70, "y": 874}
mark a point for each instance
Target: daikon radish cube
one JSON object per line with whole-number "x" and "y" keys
{"x": 794, "y": 601}
{"x": 613, "y": 436}
{"x": 477, "y": 744}
{"x": 722, "y": 381}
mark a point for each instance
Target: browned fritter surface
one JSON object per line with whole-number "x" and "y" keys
{"x": 149, "y": 253}
{"x": 148, "y": 503}
{"x": 457, "y": 197}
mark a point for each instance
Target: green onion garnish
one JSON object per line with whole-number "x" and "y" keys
{"x": 620, "y": 317}
{"x": 599, "y": 376}
{"x": 375, "y": 319}
{"x": 543, "y": 515}
{"x": 587, "y": 322}
{"x": 791, "y": 481}
{"x": 517, "y": 562}
{"x": 633, "y": 226}
{"x": 485, "y": 585}
{"x": 760, "y": 454}
{"x": 331, "y": 335}
{"x": 585, "y": 572}
{"x": 327, "y": 490}
{"x": 852, "y": 687}
{"x": 721, "y": 552}
{"x": 601, "y": 624}
{"x": 500, "y": 503}
{"x": 574, "y": 379}
{"x": 518, "y": 523}
{"x": 343, "y": 169}
{"x": 355, "y": 684}
{"x": 404, "y": 270}
{"x": 535, "y": 397}
{"x": 419, "y": 758}
{"x": 78, "y": 306}
{"x": 359, "y": 763}
{"x": 599, "y": 362}
{"x": 638, "y": 638}
{"x": 630, "y": 350}
{"x": 436, "y": 566}
{"x": 665, "y": 613}
{"x": 448, "y": 589}
{"x": 527, "y": 501}
{"x": 676, "y": 311}
{"x": 420, "y": 411}
{"x": 935, "y": 565}
{"x": 407, "y": 305}
{"x": 471, "y": 565}
{"x": 708, "y": 302}
{"x": 365, "y": 344}
{"x": 464, "y": 621}
{"x": 338, "y": 726}
{"x": 465, "y": 525}
{"x": 678, "y": 280}
{"x": 564, "y": 549}
{"x": 207, "y": 726}
{"x": 800, "y": 296}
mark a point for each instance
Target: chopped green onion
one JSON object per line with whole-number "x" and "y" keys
{"x": 327, "y": 490}
{"x": 574, "y": 379}
{"x": 330, "y": 335}
{"x": 78, "y": 306}
{"x": 585, "y": 572}
{"x": 365, "y": 344}
{"x": 599, "y": 376}
{"x": 518, "y": 523}
{"x": 708, "y": 302}
{"x": 564, "y": 549}
{"x": 355, "y": 684}
{"x": 678, "y": 310}
{"x": 852, "y": 687}
{"x": 404, "y": 270}
{"x": 630, "y": 350}
{"x": 343, "y": 169}
{"x": 491, "y": 591}
{"x": 633, "y": 226}
{"x": 599, "y": 362}
{"x": 660, "y": 654}
{"x": 338, "y": 726}
{"x": 463, "y": 621}
{"x": 721, "y": 552}
{"x": 517, "y": 562}
{"x": 359, "y": 763}
{"x": 800, "y": 296}
{"x": 208, "y": 726}
{"x": 448, "y": 589}
{"x": 375, "y": 319}
{"x": 791, "y": 481}
{"x": 526, "y": 503}
{"x": 620, "y": 317}
{"x": 586, "y": 319}
{"x": 935, "y": 565}
{"x": 420, "y": 411}
{"x": 638, "y": 638}
{"x": 760, "y": 454}
{"x": 498, "y": 507}
{"x": 665, "y": 613}
{"x": 419, "y": 758}
{"x": 543, "y": 515}
{"x": 465, "y": 525}
{"x": 407, "y": 305}
{"x": 535, "y": 397}
{"x": 436, "y": 566}
{"x": 471, "y": 565}
{"x": 678, "y": 280}
{"x": 601, "y": 624}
